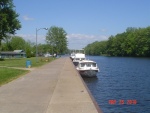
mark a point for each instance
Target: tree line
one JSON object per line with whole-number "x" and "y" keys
{"x": 133, "y": 42}
{"x": 56, "y": 42}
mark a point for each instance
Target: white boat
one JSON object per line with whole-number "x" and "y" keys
{"x": 72, "y": 56}
{"x": 87, "y": 68}
{"x": 77, "y": 56}
{"x": 47, "y": 55}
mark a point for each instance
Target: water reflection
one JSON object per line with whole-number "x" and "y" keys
{"x": 90, "y": 79}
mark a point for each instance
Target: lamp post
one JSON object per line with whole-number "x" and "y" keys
{"x": 36, "y": 42}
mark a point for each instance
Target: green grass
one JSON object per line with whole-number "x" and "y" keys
{"x": 9, "y": 74}
{"x": 21, "y": 62}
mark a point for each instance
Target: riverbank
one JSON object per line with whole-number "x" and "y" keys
{"x": 53, "y": 88}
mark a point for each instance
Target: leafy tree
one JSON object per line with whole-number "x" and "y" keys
{"x": 110, "y": 46}
{"x": 6, "y": 44}
{"x": 28, "y": 49}
{"x": 96, "y": 48}
{"x": 102, "y": 47}
{"x": 46, "y": 48}
{"x": 56, "y": 38}
{"x": 18, "y": 43}
{"x": 8, "y": 19}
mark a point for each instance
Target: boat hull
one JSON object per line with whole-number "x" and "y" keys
{"x": 88, "y": 73}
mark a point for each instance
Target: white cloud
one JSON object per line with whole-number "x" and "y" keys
{"x": 80, "y": 36}
{"x": 27, "y": 18}
{"x": 32, "y": 38}
{"x": 75, "y": 41}
{"x": 79, "y": 41}
{"x": 103, "y": 30}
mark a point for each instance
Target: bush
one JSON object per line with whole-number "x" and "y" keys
{"x": 1, "y": 59}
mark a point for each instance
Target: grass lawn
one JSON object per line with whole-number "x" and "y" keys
{"x": 21, "y": 62}
{"x": 9, "y": 74}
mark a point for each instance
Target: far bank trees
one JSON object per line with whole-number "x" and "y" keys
{"x": 133, "y": 42}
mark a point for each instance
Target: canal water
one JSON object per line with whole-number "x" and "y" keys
{"x": 122, "y": 85}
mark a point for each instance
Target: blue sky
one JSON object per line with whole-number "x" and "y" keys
{"x": 85, "y": 21}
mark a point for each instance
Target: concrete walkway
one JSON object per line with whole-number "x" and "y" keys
{"x": 53, "y": 88}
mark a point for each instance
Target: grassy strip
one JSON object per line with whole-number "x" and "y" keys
{"x": 21, "y": 62}
{"x": 9, "y": 74}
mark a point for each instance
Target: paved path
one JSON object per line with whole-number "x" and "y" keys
{"x": 53, "y": 88}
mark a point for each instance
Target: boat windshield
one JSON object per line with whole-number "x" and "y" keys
{"x": 82, "y": 58}
{"x": 93, "y": 64}
{"x": 75, "y": 63}
{"x": 79, "y": 58}
{"x": 88, "y": 64}
{"x": 82, "y": 64}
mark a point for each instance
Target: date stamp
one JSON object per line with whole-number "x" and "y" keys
{"x": 122, "y": 102}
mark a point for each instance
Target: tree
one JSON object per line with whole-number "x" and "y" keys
{"x": 110, "y": 46}
{"x": 96, "y": 48}
{"x": 18, "y": 43}
{"x": 28, "y": 49}
{"x": 8, "y": 19}
{"x": 6, "y": 43}
{"x": 56, "y": 38}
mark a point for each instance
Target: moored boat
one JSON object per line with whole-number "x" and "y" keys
{"x": 77, "y": 56}
{"x": 72, "y": 56}
{"x": 87, "y": 68}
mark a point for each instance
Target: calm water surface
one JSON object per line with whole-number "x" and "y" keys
{"x": 123, "y": 80}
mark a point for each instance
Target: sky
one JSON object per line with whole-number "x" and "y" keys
{"x": 85, "y": 21}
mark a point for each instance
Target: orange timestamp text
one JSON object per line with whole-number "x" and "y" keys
{"x": 122, "y": 102}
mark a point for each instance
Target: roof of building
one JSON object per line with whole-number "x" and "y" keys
{"x": 18, "y": 51}
{"x": 13, "y": 52}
